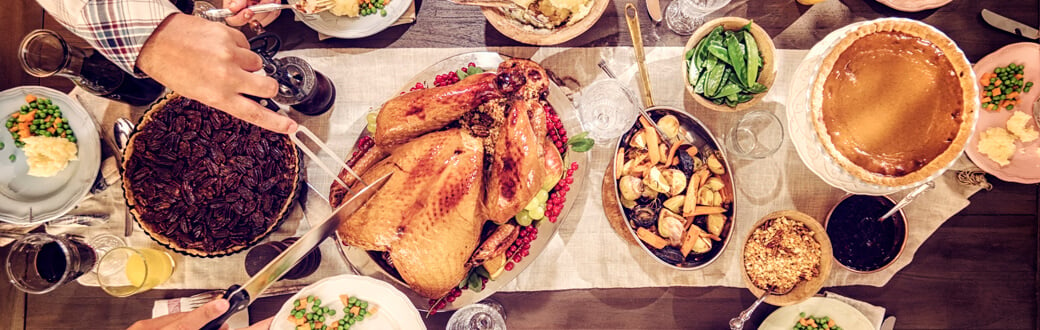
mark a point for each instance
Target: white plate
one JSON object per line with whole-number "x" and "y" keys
{"x": 46, "y": 198}
{"x": 395, "y": 311}
{"x": 354, "y": 27}
{"x": 803, "y": 135}
{"x": 844, "y": 316}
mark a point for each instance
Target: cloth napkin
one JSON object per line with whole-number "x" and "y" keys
{"x": 876, "y": 314}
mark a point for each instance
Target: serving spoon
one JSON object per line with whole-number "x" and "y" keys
{"x": 910, "y": 197}
{"x": 737, "y": 323}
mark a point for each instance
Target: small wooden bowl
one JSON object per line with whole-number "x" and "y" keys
{"x": 526, "y": 34}
{"x": 804, "y": 289}
{"x": 765, "y": 48}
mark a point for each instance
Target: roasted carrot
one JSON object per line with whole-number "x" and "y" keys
{"x": 650, "y": 238}
{"x": 705, "y": 210}
{"x": 671, "y": 153}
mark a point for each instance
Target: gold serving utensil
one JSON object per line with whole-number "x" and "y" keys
{"x": 632, "y": 18}
{"x": 737, "y": 323}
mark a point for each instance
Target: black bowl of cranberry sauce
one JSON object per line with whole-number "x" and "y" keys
{"x": 861, "y": 243}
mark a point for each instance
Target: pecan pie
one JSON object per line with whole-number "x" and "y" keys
{"x": 204, "y": 183}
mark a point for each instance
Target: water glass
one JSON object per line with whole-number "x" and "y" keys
{"x": 607, "y": 109}
{"x": 485, "y": 315}
{"x": 125, "y": 271}
{"x": 39, "y": 263}
{"x": 684, "y": 16}
{"x": 758, "y": 134}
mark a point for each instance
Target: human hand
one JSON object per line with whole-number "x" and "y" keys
{"x": 211, "y": 63}
{"x": 244, "y": 15}
{"x": 194, "y": 319}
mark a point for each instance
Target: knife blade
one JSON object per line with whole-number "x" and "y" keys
{"x": 1036, "y": 112}
{"x": 239, "y": 297}
{"x": 889, "y": 323}
{"x": 1010, "y": 25}
{"x": 654, "y": 8}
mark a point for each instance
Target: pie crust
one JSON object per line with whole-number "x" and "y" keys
{"x": 175, "y": 245}
{"x": 894, "y": 102}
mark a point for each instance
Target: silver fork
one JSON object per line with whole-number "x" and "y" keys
{"x": 219, "y": 14}
{"x": 197, "y": 300}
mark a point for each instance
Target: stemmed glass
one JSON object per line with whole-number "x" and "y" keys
{"x": 485, "y": 315}
{"x": 684, "y": 16}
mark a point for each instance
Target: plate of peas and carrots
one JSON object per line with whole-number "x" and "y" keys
{"x": 32, "y": 111}
{"x": 348, "y": 302}
{"x": 1007, "y": 79}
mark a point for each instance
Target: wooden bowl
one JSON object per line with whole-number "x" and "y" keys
{"x": 765, "y": 48}
{"x": 529, "y": 35}
{"x": 804, "y": 289}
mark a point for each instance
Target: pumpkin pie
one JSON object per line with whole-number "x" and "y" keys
{"x": 894, "y": 102}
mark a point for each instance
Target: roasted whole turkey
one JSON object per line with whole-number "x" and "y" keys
{"x": 462, "y": 155}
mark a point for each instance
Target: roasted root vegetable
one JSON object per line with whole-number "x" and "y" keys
{"x": 674, "y": 195}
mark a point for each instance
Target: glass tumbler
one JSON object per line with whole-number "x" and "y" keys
{"x": 485, "y": 315}
{"x": 758, "y": 134}
{"x": 39, "y": 263}
{"x": 125, "y": 271}
{"x": 685, "y": 16}
{"x": 607, "y": 109}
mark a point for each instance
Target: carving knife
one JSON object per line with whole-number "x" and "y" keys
{"x": 239, "y": 297}
{"x": 1010, "y": 25}
{"x": 654, "y": 8}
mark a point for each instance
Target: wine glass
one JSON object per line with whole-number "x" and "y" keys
{"x": 684, "y": 16}
{"x": 607, "y": 109}
{"x": 484, "y": 315}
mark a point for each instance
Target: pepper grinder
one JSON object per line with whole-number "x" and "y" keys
{"x": 304, "y": 89}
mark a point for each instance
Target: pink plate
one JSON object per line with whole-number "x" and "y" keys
{"x": 1025, "y": 164}
{"x": 914, "y": 5}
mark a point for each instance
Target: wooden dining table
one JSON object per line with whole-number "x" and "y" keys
{"x": 978, "y": 271}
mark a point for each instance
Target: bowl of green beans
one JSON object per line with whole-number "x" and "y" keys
{"x": 728, "y": 64}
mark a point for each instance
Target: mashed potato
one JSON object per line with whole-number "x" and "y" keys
{"x": 48, "y": 155}
{"x": 998, "y": 144}
{"x": 549, "y": 14}
{"x": 1017, "y": 125}
{"x": 349, "y": 8}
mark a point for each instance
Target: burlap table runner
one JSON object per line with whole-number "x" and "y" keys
{"x": 586, "y": 253}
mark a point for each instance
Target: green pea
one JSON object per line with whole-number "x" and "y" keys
{"x": 364, "y": 304}
{"x": 1011, "y": 106}
{"x": 382, "y": 12}
{"x": 2, "y": 145}
{"x": 1026, "y": 89}
{"x": 12, "y": 157}
{"x": 352, "y": 300}
{"x": 332, "y": 312}
{"x": 321, "y": 319}
{"x": 25, "y": 107}
{"x": 363, "y": 312}
{"x": 1029, "y": 84}
{"x": 9, "y": 124}
{"x": 310, "y": 298}
{"x": 72, "y": 139}
{"x": 350, "y": 321}
{"x": 317, "y": 301}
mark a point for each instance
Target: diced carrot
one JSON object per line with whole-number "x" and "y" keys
{"x": 996, "y": 91}
{"x": 13, "y": 129}
{"x": 354, "y": 310}
{"x": 27, "y": 116}
{"x": 57, "y": 122}
{"x": 30, "y": 98}
{"x": 830, "y": 323}
{"x": 984, "y": 81}
{"x": 345, "y": 299}
{"x": 986, "y": 99}
{"x": 997, "y": 83}
{"x": 372, "y": 309}
{"x": 1018, "y": 76}
{"x": 1012, "y": 95}
{"x": 51, "y": 129}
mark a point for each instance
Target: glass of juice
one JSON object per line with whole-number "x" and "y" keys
{"x": 39, "y": 263}
{"x": 125, "y": 271}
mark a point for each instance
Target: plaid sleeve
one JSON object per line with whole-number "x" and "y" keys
{"x": 116, "y": 28}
